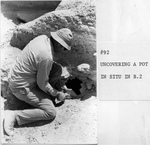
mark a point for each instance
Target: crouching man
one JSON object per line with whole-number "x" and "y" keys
{"x": 29, "y": 79}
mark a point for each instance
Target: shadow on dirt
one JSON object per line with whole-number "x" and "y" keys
{"x": 16, "y": 104}
{"x": 88, "y": 95}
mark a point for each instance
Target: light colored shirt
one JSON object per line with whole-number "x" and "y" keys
{"x": 33, "y": 65}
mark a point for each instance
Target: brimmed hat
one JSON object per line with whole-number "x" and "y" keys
{"x": 64, "y": 37}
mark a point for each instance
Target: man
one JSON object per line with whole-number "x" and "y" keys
{"x": 29, "y": 79}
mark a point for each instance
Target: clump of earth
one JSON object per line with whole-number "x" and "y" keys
{"x": 76, "y": 120}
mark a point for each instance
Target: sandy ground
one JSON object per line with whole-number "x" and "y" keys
{"x": 76, "y": 120}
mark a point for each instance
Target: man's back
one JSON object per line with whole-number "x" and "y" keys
{"x": 24, "y": 70}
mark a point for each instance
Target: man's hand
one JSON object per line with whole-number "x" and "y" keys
{"x": 61, "y": 96}
{"x": 69, "y": 92}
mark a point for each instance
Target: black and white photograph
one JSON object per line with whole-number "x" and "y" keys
{"x": 75, "y": 72}
{"x": 48, "y": 72}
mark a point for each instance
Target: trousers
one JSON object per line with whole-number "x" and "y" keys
{"x": 44, "y": 108}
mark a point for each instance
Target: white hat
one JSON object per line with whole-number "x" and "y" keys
{"x": 64, "y": 37}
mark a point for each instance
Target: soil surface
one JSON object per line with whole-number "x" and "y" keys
{"x": 76, "y": 121}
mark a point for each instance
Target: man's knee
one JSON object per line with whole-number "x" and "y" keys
{"x": 49, "y": 108}
{"x": 51, "y": 112}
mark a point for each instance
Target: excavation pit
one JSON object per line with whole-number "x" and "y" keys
{"x": 75, "y": 85}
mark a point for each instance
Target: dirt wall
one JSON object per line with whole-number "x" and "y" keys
{"x": 77, "y": 15}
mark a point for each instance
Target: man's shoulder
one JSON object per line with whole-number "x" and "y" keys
{"x": 45, "y": 55}
{"x": 41, "y": 47}
{"x": 41, "y": 43}
{"x": 41, "y": 37}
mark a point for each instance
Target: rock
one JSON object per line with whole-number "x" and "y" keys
{"x": 26, "y": 11}
{"x": 84, "y": 67}
{"x": 92, "y": 30}
{"x": 83, "y": 88}
{"x": 86, "y": 75}
{"x": 89, "y": 85}
{"x": 95, "y": 54}
{"x": 39, "y": 5}
{"x": 7, "y": 28}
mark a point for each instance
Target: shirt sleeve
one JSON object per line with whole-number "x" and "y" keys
{"x": 44, "y": 68}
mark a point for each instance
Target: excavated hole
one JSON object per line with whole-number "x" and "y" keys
{"x": 74, "y": 84}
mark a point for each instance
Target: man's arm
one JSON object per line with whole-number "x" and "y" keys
{"x": 69, "y": 92}
{"x": 44, "y": 68}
